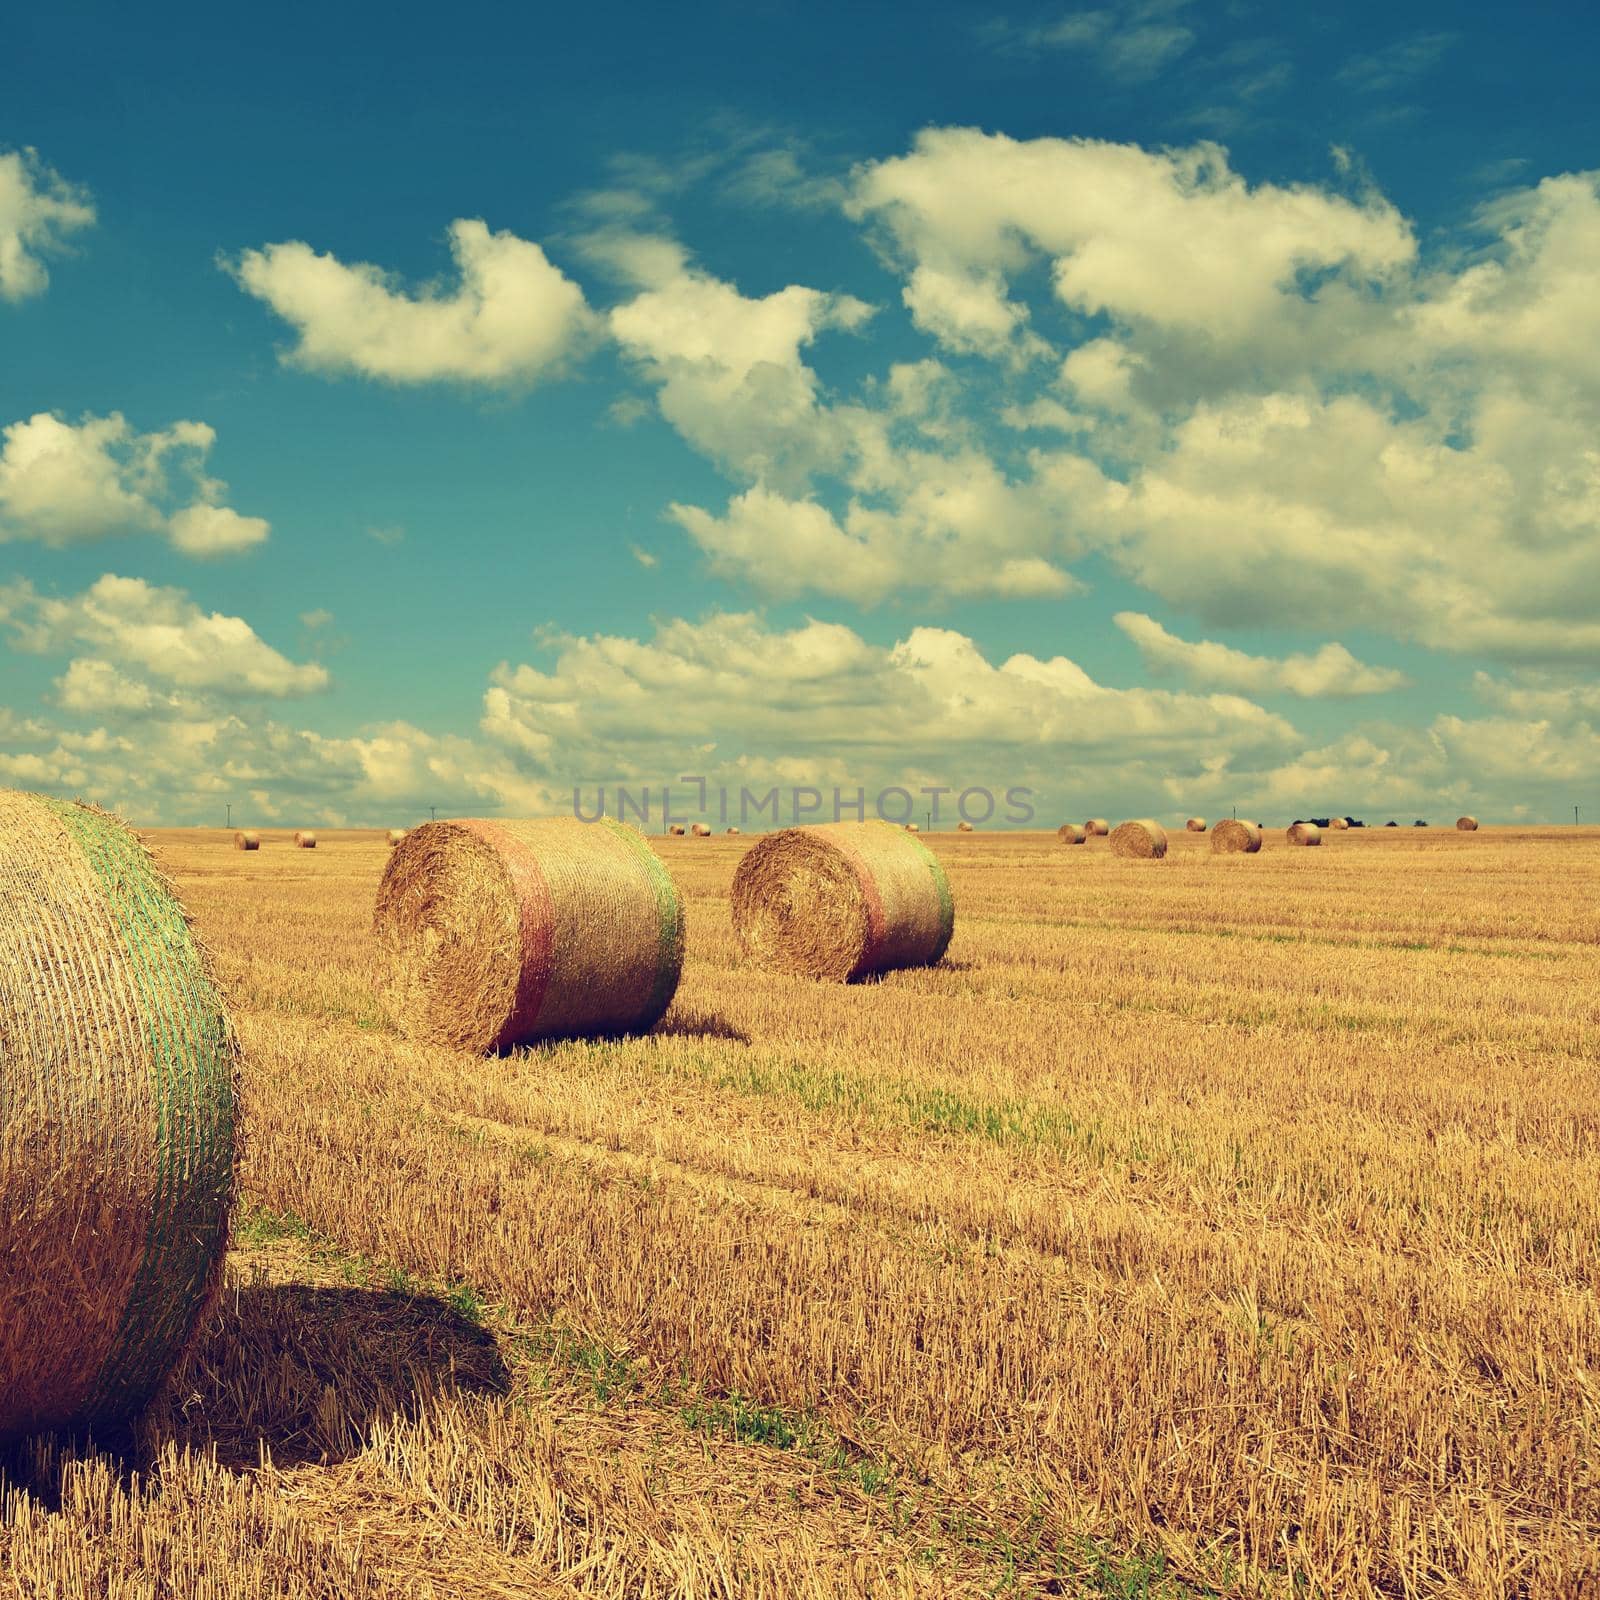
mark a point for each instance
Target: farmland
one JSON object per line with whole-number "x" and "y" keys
{"x": 1202, "y": 1225}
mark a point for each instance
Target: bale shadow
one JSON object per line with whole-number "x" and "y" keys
{"x": 699, "y": 1025}
{"x": 303, "y": 1373}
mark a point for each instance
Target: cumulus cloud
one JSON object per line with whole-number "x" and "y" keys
{"x": 38, "y": 209}
{"x": 1332, "y": 673}
{"x": 65, "y": 483}
{"x": 161, "y": 633}
{"x": 511, "y": 317}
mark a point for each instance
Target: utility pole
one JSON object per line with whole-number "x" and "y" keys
{"x": 433, "y": 813}
{"x": 1574, "y": 816}
{"x": 230, "y": 814}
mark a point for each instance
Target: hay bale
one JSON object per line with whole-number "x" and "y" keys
{"x": 676, "y": 830}
{"x": 1231, "y": 837}
{"x": 964, "y": 827}
{"x": 1142, "y": 840}
{"x": 733, "y": 830}
{"x": 495, "y": 934}
{"x": 117, "y": 1095}
{"x": 1071, "y": 833}
{"x": 1304, "y": 833}
{"x": 1195, "y": 825}
{"x": 305, "y": 840}
{"x": 1339, "y": 824}
{"x": 395, "y": 836}
{"x": 1097, "y": 826}
{"x": 912, "y": 827}
{"x": 243, "y": 840}
{"x": 701, "y": 830}
{"x": 1467, "y": 824}
{"x": 840, "y": 900}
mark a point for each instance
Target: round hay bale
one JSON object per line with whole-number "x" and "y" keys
{"x": 1195, "y": 825}
{"x": 304, "y": 840}
{"x": 840, "y": 900}
{"x": 701, "y": 830}
{"x": 1303, "y": 833}
{"x": 733, "y": 830}
{"x": 495, "y": 934}
{"x": 1071, "y": 833}
{"x": 1231, "y": 837}
{"x": 1142, "y": 840}
{"x": 1097, "y": 826}
{"x": 964, "y": 827}
{"x": 912, "y": 827}
{"x": 1339, "y": 824}
{"x": 1467, "y": 824}
{"x": 395, "y": 836}
{"x": 243, "y": 840}
{"x": 676, "y": 830}
{"x": 117, "y": 1094}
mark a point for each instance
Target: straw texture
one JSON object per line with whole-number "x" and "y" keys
{"x": 1195, "y": 825}
{"x": 1232, "y": 837}
{"x": 1467, "y": 824}
{"x": 246, "y": 841}
{"x": 305, "y": 841}
{"x": 1097, "y": 826}
{"x": 498, "y": 933}
{"x": 841, "y": 900}
{"x": 117, "y": 1086}
{"x": 1141, "y": 840}
{"x": 1071, "y": 833}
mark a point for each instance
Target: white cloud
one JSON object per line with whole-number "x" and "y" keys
{"x": 1332, "y": 673}
{"x": 63, "y": 483}
{"x": 1132, "y": 42}
{"x": 127, "y": 622}
{"x": 38, "y": 209}
{"x": 512, "y": 318}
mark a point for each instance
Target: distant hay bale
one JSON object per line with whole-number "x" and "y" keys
{"x": 304, "y": 840}
{"x": 1231, "y": 837}
{"x": 243, "y": 840}
{"x": 701, "y": 830}
{"x": 912, "y": 827}
{"x": 117, "y": 1096}
{"x": 676, "y": 830}
{"x": 1071, "y": 833}
{"x": 395, "y": 836}
{"x": 1097, "y": 825}
{"x": 733, "y": 830}
{"x": 1306, "y": 833}
{"x": 1195, "y": 825}
{"x": 1339, "y": 824}
{"x": 1140, "y": 840}
{"x": 841, "y": 900}
{"x": 963, "y": 827}
{"x": 495, "y": 934}
{"x": 1467, "y": 824}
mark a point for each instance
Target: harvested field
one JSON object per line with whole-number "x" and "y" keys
{"x": 1228, "y": 1228}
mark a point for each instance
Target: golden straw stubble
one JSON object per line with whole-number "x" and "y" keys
{"x": 1139, "y": 840}
{"x": 841, "y": 900}
{"x": 497, "y": 933}
{"x": 1233, "y": 836}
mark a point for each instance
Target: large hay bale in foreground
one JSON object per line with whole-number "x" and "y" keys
{"x": 1195, "y": 825}
{"x": 840, "y": 900}
{"x": 1305, "y": 833}
{"x": 1232, "y": 837}
{"x": 1097, "y": 826}
{"x": 498, "y": 933}
{"x": 244, "y": 840}
{"x": 1140, "y": 840}
{"x": 305, "y": 840}
{"x": 1467, "y": 824}
{"x": 117, "y": 1083}
{"x": 1071, "y": 833}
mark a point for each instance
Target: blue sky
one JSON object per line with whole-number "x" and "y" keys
{"x": 1167, "y": 407}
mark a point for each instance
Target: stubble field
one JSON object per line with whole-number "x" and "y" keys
{"x": 1211, "y": 1225}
